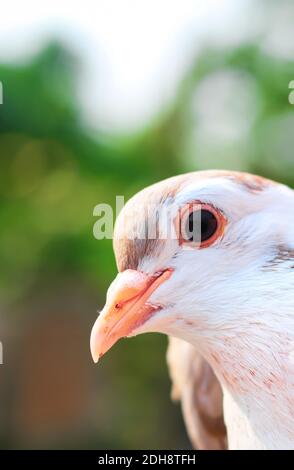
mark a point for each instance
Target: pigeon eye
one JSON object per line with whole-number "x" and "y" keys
{"x": 208, "y": 225}
{"x": 200, "y": 224}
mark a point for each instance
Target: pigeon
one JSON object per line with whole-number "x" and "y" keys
{"x": 207, "y": 258}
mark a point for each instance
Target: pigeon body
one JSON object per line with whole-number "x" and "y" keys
{"x": 208, "y": 258}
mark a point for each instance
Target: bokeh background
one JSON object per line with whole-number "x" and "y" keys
{"x": 100, "y": 99}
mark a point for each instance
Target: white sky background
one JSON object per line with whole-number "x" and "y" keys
{"x": 133, "y": 51}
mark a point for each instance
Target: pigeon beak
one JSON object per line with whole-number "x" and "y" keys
{"x": 126, "y": 308}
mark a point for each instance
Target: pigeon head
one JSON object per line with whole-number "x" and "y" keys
{"x": 208, "y": 257}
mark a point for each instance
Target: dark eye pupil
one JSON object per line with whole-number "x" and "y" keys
{"x": 208, "y": 226}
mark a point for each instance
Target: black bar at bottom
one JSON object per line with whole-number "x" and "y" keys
{"x": 133, "y": 459}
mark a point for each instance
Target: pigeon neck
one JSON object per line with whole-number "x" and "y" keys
{"x": 258, "y": 383}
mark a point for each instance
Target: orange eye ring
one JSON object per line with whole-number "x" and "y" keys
{"x": 215, "y": 224}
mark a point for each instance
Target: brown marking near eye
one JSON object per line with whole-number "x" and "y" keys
{"x": 131, "y": 242}
{"x": 130, "y": 252}
{"x": 283, "y": 254}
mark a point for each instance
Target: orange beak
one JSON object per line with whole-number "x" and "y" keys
{"x": 126, "y": 308}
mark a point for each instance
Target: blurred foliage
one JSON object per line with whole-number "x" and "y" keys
{"x": 54, "y": 171}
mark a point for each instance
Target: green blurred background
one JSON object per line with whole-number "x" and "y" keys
{"x": 230, "y": 109}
